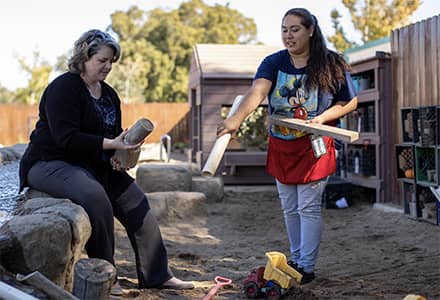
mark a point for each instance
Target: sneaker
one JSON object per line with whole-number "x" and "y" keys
{"x": 307, "y": 277}
{"x": 293, "y": 264}
{"x": 177, "y": 284}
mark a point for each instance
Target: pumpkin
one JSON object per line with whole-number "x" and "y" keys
{"x": 409, "y": 173}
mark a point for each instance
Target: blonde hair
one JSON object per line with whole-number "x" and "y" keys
{"x": 88, "y": 45}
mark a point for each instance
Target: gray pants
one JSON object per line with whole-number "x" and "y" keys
{"x": 63, "y": 180}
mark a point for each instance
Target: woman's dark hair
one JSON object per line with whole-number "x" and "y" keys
{"x": 325, "y": 68}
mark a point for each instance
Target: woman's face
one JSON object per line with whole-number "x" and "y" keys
{"x": 100, "y": 64}
{"x": 296, "y": 37}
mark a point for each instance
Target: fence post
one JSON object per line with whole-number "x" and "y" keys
{"x": 167, "y": 138}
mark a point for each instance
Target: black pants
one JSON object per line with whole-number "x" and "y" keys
{"x": 62, "y": 180}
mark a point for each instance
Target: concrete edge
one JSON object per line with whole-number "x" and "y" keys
{"x": 388, "y": 208}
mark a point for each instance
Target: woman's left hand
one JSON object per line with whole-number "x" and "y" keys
{"x": 116, "y": 164}
{"x": 316, "y": 120}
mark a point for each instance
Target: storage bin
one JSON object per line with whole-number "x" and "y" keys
{"x": 405, "y": 162}
{"x": 426, "y": 172}
{"x": 428, "y": 125}
{"x": 409, "y": 119}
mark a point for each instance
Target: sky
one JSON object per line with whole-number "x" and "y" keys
{"x": 51, "y": 27}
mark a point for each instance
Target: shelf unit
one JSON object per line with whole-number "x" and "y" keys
{"x": 366, "y": 162}
{"x": 418, "y": 161}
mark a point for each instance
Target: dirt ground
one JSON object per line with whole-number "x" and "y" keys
{"x": 366, "y": 253}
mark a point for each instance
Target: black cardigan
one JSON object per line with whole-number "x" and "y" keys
{"x": 69, "y": 129}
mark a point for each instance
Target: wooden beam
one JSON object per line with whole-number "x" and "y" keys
{"x": 320, "y": 129}
{"x": 42, "y": 283}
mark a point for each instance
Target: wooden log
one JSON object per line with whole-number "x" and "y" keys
{"x": 42, "y": 283}
{"x": 345, "y": 135}
{"x": 93, "y": 279}
{"x": 139, "y": 131}
{"x": 217, "y": 151}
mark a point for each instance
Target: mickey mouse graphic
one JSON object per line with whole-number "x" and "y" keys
{"x": 297, "y": 97}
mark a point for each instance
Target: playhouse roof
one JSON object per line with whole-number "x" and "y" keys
{"x": 229, "y": 61}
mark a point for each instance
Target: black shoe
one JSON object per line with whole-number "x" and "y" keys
{"x": 293, "y": 264}
{"x": 307, "y": 277}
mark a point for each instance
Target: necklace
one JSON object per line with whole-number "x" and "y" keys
{"x": 94, "y": 89}
{"x": 300, "y": 63}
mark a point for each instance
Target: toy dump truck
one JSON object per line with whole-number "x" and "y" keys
{"x": 274, "y": 280}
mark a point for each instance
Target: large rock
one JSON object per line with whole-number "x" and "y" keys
{"x": 151, "y": 152}
{"x": 47, "y": 235}
{"x": 212, "y": 187}
{"x": 177, "y": 205}
{"x": 8, "y": 154}
{"x": 37, "y": 242}
{"x": 163, "y": 177}
{"x": 32, "y": 193}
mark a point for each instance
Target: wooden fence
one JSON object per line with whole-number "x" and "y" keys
{"x": 415, "y": 52}
{"x": 416, "y": 67}
{"x": 17, "y": 121}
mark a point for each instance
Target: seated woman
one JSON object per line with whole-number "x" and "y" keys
{"x": 70, "y": 156}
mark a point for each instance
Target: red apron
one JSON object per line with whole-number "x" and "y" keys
{"x": 293, "y": 161}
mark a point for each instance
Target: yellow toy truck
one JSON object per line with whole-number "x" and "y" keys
{"x": 274, "y": 280}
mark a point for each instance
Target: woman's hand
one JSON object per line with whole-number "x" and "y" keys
{"x": 116, "y": 164}
{"x": 118, "y": 143}
{"x": 227, "y": 126}
{"x": 316, "y": 120}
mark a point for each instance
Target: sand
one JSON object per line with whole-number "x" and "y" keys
{"x": 366, "y": 253}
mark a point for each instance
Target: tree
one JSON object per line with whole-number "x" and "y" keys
{"x": 339, "y": 41}
{"x": 39, "y": 73}
{"x": 6, "y": 96}
{"x": 157, "y": 46}
{"x": 375, "y": 19}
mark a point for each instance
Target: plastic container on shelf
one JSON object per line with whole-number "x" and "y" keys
{"x": 364, "y": 83}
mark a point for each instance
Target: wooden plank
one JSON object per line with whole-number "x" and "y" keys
{"x": 42, "y": 283}
{"x": 404, "y": 46}
{"x": 412, "y": 82}
{"x": 435, "y": 62}
{"x": 331, "y": 131}
{"x": 437, "y": 59}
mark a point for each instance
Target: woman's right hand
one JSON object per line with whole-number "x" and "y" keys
{"x": 228, "y": 125}
{"x": 118, "y": 143}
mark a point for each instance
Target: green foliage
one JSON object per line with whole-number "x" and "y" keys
{"x": 339, "y": 41}
{"x": 61, "y": 63}
{"x": 6, "y": 96}
{"x": 38, "y": 74}
{"x": 374, "y": 19}
{"x": 156, "y": 51}
{"x": 253, "y": 131}
{"x": 157, "y": 47}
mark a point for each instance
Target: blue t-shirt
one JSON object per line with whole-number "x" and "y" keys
{"x": 289, "y": 97}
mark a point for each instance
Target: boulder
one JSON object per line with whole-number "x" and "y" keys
{"x": 163, "y": 177}
{"x": 37, "y": 242}
{"x": 47, "y": 235}
{"x": 177, "y": 205}
{"x": 8, "y": 154}
{"x": 212, "y": 187}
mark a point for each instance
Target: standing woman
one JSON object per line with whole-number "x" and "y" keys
{"x": 69, "y": 156}
{"x": 307, "y": 81}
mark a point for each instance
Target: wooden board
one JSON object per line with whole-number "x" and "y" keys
{"x": 320, "y": 129}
